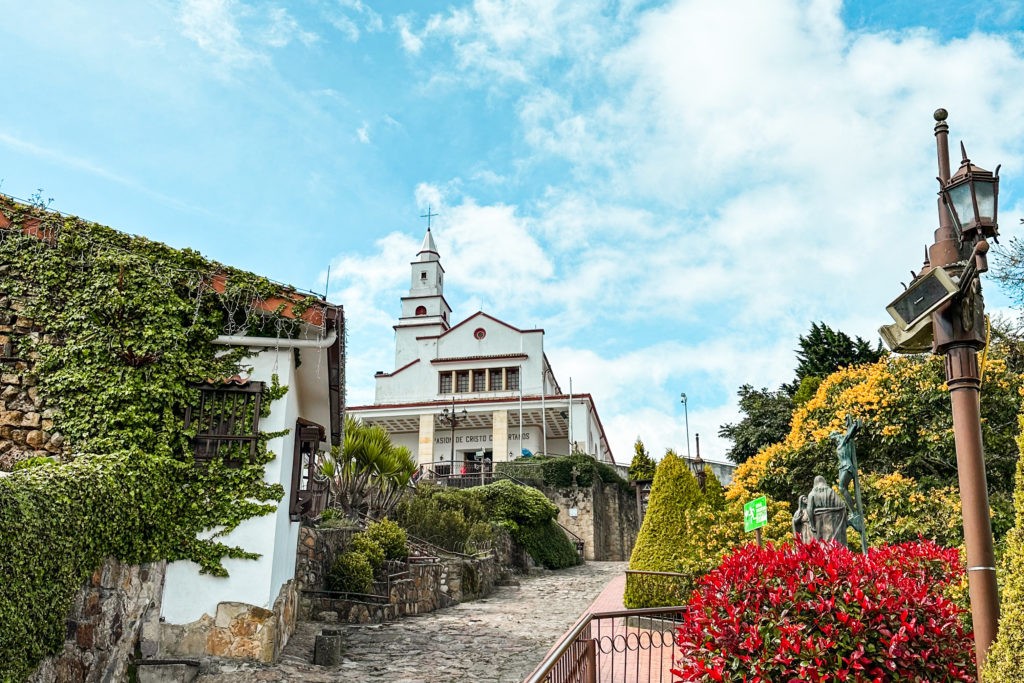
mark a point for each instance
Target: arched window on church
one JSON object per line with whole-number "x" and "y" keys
{"x": 421, "y": 310}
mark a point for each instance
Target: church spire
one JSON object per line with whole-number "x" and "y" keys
{"x": 428, "y": 252}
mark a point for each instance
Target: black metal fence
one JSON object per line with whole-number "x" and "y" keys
{"x": 629, "y": 646}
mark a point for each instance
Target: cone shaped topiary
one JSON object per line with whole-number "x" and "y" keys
{"x": 665, "y": 535}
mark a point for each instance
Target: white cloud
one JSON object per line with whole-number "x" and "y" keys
{"x": 216, "y": 27}
{"x": 340, "y": 18}
{"x": 513, "y": 39}
{"x": 283, "y": 28}
{"x": 411, "y": 42}
{"x": 211, "y": 24}
{"x": 363, "y": 133}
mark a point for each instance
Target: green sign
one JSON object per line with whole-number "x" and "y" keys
{"x": 755, "y": 514}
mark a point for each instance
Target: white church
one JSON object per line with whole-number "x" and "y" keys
{"x": 482, "y": 391}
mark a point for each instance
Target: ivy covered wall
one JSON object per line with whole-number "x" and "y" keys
{"x": 112, "y": 333}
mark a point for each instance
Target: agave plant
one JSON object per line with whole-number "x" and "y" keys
{"x": 368, "y": 474}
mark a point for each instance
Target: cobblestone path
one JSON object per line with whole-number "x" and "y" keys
{"x": 499, "y": 639}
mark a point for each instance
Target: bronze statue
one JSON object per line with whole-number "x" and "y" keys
{"x": 826, "y": 513}
{"x": 846, "y": 450}
{"x": 801, "y": 523}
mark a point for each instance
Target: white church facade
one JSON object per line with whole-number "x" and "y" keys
{"x": 467, "y": 395}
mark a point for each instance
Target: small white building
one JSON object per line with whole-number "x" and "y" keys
{"x": 251, "y": 613}
{"x": 481, "y": 391}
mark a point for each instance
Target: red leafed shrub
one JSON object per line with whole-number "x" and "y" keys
{"x": 819, "y": 612}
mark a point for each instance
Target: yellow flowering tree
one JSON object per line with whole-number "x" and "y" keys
{"x": 905, "y": 448}
{"x": 907, "y": 426}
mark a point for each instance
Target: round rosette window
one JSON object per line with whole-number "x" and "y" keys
{"x": 480, "y": 333}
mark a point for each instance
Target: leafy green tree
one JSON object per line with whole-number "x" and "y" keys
{"x": 766, "y": 418}
{"x": 666, "y": 529}
{"x": 1009, "y": 270}
{"x": 685, "y": 531}
{"x": 643, "y": 464}
{"x": 824, "y": 350}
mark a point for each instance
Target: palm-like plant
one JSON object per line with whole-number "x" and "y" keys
{"x": 369, "y": 473}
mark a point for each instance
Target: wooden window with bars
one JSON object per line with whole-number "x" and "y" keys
{"x": 512, "y": 379}
{"x": 227, "y": 421}
{"x": 479, "y": 380}
{"x": 462, "y": 381}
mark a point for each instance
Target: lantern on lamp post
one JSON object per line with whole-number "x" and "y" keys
{"x": 971, "y": 197}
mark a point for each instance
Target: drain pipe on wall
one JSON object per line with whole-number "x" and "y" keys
{"x": 277, "y": 342}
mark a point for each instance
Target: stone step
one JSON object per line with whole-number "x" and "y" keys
{"x": 168, "y": 670}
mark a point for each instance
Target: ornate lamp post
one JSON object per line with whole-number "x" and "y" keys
{"x": 967, "y": 217}
{"x": 449, "y": 418}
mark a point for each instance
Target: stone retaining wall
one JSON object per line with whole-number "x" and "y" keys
{"x": 26, "y": 422}
{"x": 416, "y": 587}
{"x": 606, "y": 518}
{"x": 317, "y": 549}
{"x": 105, "y": 623}
{"x": 237, "y": 631}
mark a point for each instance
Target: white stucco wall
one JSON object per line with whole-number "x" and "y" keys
{"x": 187, "y": 593}
{"x": 419, "y": 382}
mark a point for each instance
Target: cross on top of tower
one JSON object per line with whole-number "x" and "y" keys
{"x": 428, "y": 215}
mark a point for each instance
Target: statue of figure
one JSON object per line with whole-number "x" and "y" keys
{"x": 801, "y": 522}
{"x": 847, "y": 454}
{"x": 826, "y": 512}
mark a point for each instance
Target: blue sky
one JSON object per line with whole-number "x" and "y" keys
{"x": 674, "y": 191}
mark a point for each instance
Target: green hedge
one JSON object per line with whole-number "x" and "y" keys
{"x": 458, "y": 520}
{"x": 557, "y": 471}
{"x": 390, "y": 537}
{"x": 352, "y": 572}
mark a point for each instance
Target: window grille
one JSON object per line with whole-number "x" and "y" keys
{"x": 480, "y": 380}
{"x": 497, "y": 379}
{"x": 512, "y": 378}
{"x": 445, "y": 385}
{"x": 227, "y": 421}
{"x": 462, "y": 381}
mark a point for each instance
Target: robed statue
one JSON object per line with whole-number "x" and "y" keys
{"x": 823, "y": 514}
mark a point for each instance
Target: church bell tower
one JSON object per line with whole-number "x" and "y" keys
{"x": 425, "y": 313}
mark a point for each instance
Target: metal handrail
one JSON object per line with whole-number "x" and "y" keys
{"x": 649, "y": 573}
{"x": 580, "y": 635}
{"x": 566, "y": 530}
